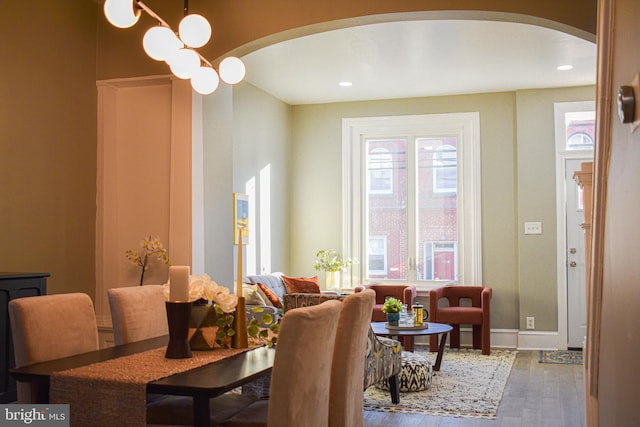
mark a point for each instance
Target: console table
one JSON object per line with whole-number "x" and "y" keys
{"x": 12, "y": 286}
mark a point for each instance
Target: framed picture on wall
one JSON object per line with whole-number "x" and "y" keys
{"x": 240, "y": 218}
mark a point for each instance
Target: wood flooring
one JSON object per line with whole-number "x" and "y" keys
{"x": 536, "y": 394}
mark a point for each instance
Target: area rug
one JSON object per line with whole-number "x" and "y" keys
{"x": 568, "y": 357}
{"x": 467, "y": 385}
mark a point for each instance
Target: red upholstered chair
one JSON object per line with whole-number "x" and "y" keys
{"x": 478, "y": 314}
{"x": 405, "y": 293}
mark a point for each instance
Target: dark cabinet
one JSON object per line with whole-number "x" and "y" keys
{"x": 12, "y": 286}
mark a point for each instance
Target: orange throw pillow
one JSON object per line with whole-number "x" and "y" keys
{"x": 301, "y": 285}
{"x": 271, "y": 295}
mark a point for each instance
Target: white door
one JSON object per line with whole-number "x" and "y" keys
{"x": 575, "y": 256}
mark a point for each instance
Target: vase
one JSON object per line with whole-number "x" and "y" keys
{"x": 204, "y": 327}
{"x": 332, "y": 280}
{"x": 178, "y": 315}
{"x": 393, "y": 319}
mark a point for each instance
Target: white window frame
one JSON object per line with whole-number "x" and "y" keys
{"x": 466, "y": 127}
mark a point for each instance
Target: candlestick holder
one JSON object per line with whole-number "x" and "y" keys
{"x": 178, "y": 315}
{"x": 241, "y": 338}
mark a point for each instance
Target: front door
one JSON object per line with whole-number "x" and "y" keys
{"x": 575, "y": 256}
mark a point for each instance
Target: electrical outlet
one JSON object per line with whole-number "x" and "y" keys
{"x": 532, "y": 228}
{"x": 531, "y": 322}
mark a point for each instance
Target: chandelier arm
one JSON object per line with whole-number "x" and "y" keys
{"x": 152, "y": 14}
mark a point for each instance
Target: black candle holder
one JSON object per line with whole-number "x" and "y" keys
{"x": 178, "y": 315}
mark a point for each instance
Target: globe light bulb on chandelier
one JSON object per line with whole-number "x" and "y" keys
{"x": 232, "y": 70}
{"x": 183, "y": 63}
{"x": 177, "y": 49}
{"x": 205, "y": 80}
{"x": 194, "y": 30}
{"x": 121, "y": 14}
{"x": 160, "y": 42}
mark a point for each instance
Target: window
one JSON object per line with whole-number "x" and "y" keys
{"x": 377, "y": 255}
{"x": 445, "y": 164}
{"x": 440, "y": 261}
{"x": 412, "y": 199}
{"x": 380, "y": 171}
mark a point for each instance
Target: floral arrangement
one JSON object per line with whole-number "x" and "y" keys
{"x": 202, "y": 287}
{"x": 151, "y": 248}
{"x": 392, "y": 305}
{"x": 330, "y": 260}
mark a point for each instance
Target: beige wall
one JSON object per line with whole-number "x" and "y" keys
{"x": 518, "y": 181}
{"x": 536, "y": 201}
{"x": 48, "y": 141}
{"x": 262, "y": 142}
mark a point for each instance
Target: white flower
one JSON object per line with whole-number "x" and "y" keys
{"x": 201, "y": 286}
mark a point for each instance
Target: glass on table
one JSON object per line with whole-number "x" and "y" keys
{"x": 407, "y": 318}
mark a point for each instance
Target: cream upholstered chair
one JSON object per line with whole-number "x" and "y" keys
{"x": 50, "y": 327}
{"x": 300, "y": 379}
{"x": 346, "y": 402}
{"x": 137, "y": 313}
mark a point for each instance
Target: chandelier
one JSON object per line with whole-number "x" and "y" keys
{"x": 178, "y": 49}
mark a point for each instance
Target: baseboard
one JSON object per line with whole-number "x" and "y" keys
{"x": 508, "y": 338}
{"x": 538, "y": 340}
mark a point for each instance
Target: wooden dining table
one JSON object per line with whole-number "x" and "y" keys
{"x": 201, "y": 383}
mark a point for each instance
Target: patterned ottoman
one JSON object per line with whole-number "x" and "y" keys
{"x": 415, "y": 374}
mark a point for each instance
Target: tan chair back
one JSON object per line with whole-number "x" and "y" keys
{"x": 347, "y": 372}
{"x": 50, "y": 327}
{"x": 137, "y": 313}
{"x": 300, "y": 378}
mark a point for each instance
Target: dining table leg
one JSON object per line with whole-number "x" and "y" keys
{"x": 201, "y": 411}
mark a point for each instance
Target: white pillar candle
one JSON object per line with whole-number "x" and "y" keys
{"x": 179, "y": 283}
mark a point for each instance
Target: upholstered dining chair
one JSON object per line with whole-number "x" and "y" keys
{"x": 301, "y": 374}
{"x": 346, "y": 402}
{"x": 383, "y": 358}
{"x": 50, "y": 327}
{"x": 139, "y": 313}
{"x": 476, "y": 312}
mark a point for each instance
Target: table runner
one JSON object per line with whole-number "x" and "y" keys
{"x": 114, "y": 392}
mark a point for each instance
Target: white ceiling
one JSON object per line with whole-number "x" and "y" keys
{"x": 420, "y": 58}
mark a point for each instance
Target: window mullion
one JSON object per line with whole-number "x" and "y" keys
{"x": 412, "y": 213}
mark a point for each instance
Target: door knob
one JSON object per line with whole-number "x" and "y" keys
{"x": 572, "y": 264}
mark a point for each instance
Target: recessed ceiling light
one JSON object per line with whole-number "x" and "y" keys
{"x": 345, "y": 84}
{"x": 565, "y": 67}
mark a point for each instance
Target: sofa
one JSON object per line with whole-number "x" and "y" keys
{"x": 267, "y": 291}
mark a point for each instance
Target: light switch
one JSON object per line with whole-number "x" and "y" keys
{"x": 532, "y": 228}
